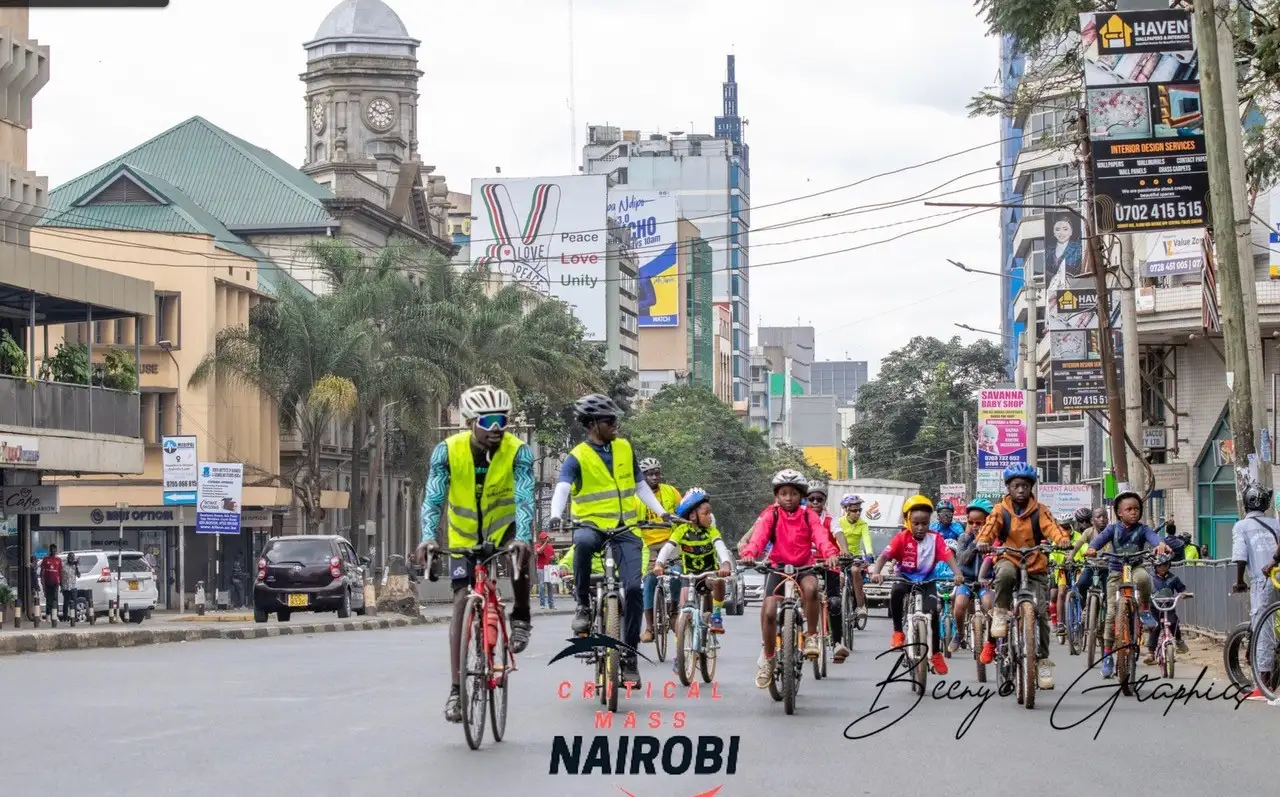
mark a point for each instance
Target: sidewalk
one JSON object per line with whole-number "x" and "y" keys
{"x": 166, "y": 627}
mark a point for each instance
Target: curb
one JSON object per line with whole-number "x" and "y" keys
{"x": 35, "y": 642}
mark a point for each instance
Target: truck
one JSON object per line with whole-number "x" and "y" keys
{"x": 882, "y": 501}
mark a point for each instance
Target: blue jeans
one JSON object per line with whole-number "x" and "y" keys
{"x": 546, "y": 593}
{"x": 651, "y": 586}
{"x": 627, "y": 551}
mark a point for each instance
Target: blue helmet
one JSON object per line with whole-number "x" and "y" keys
{"x": 1020, "y": 470}
{"x": 691, "y": 501}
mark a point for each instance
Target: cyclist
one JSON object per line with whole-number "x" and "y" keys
{"x": 1254, "y": 548}
{"x": 1080, "y": 520}
{"x": 945, "y": 525}
{"x": 486, "y": 474}
{"x": 793, "y": 531}
{"x": 1020, "y": 521}
{"x": 1164, "y": 581}
{"x": 854, "y": 538}
{"x": 918, "y": 550}
{"x": 1127, "y": 535}
{"x": 967, "y": 555}
{"x": 653, "y": 539}
{"x": 600, "y": 476}
{"x": 817, "y": 501}
{"x": 701, "y": 547}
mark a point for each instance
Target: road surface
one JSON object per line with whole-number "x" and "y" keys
{"x": 360, "y": 714}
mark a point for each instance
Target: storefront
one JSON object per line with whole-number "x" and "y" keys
{"x": 1216, "y": 511}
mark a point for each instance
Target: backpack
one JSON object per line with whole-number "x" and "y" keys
{"x": 1007, "y": 519}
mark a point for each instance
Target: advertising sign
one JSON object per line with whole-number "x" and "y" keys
{"x": 1076, "y": 377}
{"x": 1146, "y": 129}
{"x": 180, "y": 470}
{"x": 219, "y": 489}
{"x": 19, "y": 451}
{"x": 989, "y": 485}
{"x": 1172, "y": 253}
{"x": 1065, "y": 499}
{"x": 882, "y": 510}
{"x": 548, "y": 233}
{"x": 1002, "y": 429}
{"x": 29, "y": 500}
{"x": 651, "y": 217}
{"x": 954, "y": 494}
{"x": 1064, "y": 249}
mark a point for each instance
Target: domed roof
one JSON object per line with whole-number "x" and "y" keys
{"x": 364, "y": 19}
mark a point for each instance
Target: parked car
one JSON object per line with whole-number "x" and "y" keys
{"x": 101, "y": 571}
{"x": 308, "y": 574}
{"x": 734, "y": 596}
{"x": 752, "y": 586}
{"x": 878, "y": 594}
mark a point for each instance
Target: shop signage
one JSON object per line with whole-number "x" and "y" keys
{"x": 109, "y": 517}
{"x": 181, "y": 470}
{"x": 256, "y": 519}
{"x": 19, "y": 450}
{"x": 29, "y": 500}
{"x": 219, "y": 502}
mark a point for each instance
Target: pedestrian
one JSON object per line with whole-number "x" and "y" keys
{"x": 237, "y": 582}
{"x": 1204, "y": 550}
{"x": 1255, "y": 547}
{"x": 33, "y": 578}
{"x": 51, "y": 577}
{"x": 1175, "y": 543}
{"x": 546, "y": 554}
{"x": 70, "y": 587}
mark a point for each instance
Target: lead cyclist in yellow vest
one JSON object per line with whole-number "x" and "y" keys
{"x": 600, "y": 475}
{"x": 487, "y": 476}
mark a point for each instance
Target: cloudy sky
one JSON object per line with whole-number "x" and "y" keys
{"x": 835, "y": 92}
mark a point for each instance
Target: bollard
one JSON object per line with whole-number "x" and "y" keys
{"x": 199, "y": 597}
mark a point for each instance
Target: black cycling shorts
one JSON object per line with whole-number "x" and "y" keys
{"x": 462, "y": 572}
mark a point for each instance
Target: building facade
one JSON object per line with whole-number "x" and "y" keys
{"x": 673, "y": 354}
{"x": 760, "y": 412}
{"x": 842, "y": 379}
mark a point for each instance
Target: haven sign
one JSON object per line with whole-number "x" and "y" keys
{"x": 1144, "y": 32}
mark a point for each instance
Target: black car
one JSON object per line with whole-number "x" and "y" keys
{"x": 308, "y": 574}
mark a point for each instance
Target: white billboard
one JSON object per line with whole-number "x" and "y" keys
{"x": 651, "y": 217}
{"x": 549, "y": 233}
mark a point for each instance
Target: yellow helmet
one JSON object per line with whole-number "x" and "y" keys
{"x": 916, "y": 502}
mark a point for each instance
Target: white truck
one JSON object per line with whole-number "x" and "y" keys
{"x": 882, "y": 501}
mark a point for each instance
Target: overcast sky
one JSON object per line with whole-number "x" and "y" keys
{"x": 835, "y": 92}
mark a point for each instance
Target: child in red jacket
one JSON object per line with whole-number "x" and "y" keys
{"x": 794, "y": 532}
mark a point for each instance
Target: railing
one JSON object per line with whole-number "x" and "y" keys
{"x": 73, "y": 408}
{"x": 1215, "y": 610}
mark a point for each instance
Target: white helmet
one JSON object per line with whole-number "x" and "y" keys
{"x": 649, "y": 463}
{"x": 788, "y": 476}
{"x": 482, "y": 400}
{"x": 816, "y": 486}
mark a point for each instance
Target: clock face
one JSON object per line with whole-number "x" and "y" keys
{"x": 380, "y": 114}
{"x": 317, "y": 116}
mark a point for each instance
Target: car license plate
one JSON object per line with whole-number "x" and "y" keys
{"x": 133, "y": 585}
{"x": 297, "y": 600}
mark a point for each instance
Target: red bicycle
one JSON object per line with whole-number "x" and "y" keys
{"x": 485, "y": 659}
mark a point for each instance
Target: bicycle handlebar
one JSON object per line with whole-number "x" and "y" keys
{"x": 1043, "y": 547}
{"x": 1128, "y": 558}
{"x": 794, "y": 571}
{"x": 1169, "y": 604}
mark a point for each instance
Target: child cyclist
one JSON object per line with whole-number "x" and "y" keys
{"x": 793, "y": 531}
{"x": 701, "y": 548}
{"x": 854, "y": 538}
{"x": 976, "y": 514}
{"x": 918, "y": 550}
{"x": 1164, "y": 584}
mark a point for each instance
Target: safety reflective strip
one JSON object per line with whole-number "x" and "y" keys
{"x": 468, "y": 535}
{"x": 470, "y": 514}
{"x": 601, "y": 496}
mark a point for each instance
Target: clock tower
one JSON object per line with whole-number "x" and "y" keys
{"x": 362, "y": 105}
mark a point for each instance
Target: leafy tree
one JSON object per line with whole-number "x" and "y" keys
{"x": 913, "y": 411}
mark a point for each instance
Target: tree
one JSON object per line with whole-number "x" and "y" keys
{"x": 913, "y": 411}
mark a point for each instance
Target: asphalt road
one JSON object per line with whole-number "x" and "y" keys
{"x": 360, "y": 714}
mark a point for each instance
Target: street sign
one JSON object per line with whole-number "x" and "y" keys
{"x": 218, "y": 499}
{"x": 180, "y": 467}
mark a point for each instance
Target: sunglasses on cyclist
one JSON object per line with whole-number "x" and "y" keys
{"x": 492, "y": 421}
{"x": 817, "y": 499}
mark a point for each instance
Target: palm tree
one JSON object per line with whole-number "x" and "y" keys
{"x": 297, "y": 354}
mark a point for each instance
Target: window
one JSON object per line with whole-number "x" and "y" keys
{"x": 1035, "y": 260}
{"x": 1048, "y": 124}
{"x": 1056, "y": 186}
{"x": 1061, "y": 464}
{"x": 167, "y": 324}
{"x": 299, "y": 551}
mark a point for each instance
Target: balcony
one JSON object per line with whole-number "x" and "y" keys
{"x": 69, "y": 408}
{"x": 1168, "y": 315}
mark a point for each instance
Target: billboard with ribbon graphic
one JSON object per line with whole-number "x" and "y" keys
{"x": 548, "y": 233}
{"x": 651, "y": 217}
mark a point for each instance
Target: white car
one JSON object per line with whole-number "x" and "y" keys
{"x": 101, "y": 571}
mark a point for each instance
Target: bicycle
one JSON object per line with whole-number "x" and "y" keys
{"x": 485, "y": 658}
{"x": 979, "y": 623}
{"x": 1166, "y": 645}
{"x": 1016, "y": 659}
{"x": 790, "y": 662}
{"x": 946, "y": 620}
{"x": 917, "y": 628}
{"x": 850, "y": 566}
{"x": 696, "y": 646}
{"x": 661, "y": 617}
{"x": 606, "y": 614}
{"x": 1256, "y": 637}
{"x": 823, "y": 634}
{"x": 1127, "y": 637}
{"x": 1074, "y": 619}
{"x": 1095, "y": 609}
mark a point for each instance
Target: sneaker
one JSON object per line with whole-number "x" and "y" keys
{"x": 717, "y": 623}
{"x": 582, "y": 620}
{"x": 938, "y": 664}
{"x": 453, "y": 707}
{"x": 630, "y": 670}
{"x": 764, "y": 674}
{"x": 899, "y": 639}
{"x": 811, "y": 648}
{"x": 1256, "y": 694}
{"x": 999, "y": 624}
{"x": 988, "y": 654}
{"x": 1108, "y": 666}
{"x": 954, "y": 644}
{"x": 520, "y": 632}
{"x": 1149, "y": 659}
{"x": 861, "y": 612}
{"x": 1061, "y": 629}
{"x": 841, "y": 653}
{"x": 1148, "y": 619}
{"x": 646, "y": 635}
{"x": 1182, "y": 647}
{"x": 1044, "y": 674}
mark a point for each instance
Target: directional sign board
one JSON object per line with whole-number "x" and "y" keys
{"x": 181, "y": 469}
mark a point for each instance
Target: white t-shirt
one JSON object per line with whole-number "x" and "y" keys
{"x": 1253, "y": 541}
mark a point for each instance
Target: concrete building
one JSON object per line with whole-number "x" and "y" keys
{"x": 723, "y": 372}
{"x": 621, "y": 301}
{"x": 710, "y": 175}
{"x": 842, "y": 379}
{"x": 460, "y": 226}
{"x": 760, "y": 414}
{"x": 677, "y": 354}
{"x": 794, "y": 343}
{"x": 52, "y": 424}
{"x": 814, "y": 426}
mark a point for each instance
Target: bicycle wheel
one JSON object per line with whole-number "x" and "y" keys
{"x": 1075, "y": 629}
{"x": 1027, "y": 639}
{"x": 922, "y": 661}
{"x": 848, "y": 611}
{"x": 473, "y": 672}
{"x": 613, "y": 657}
{"x": 503, "y": 664}
{"x": 707, "y": 661}
{"x": 787, "y": 661}
{"x": 1092, "y": 626}
{"x": 978, "y": 634}
{"x": 1123, "y": 650}
{"x": 820, "y": 663}
{"x": 946, "y": 629}
{"x": 684, "y": 648}
{"x": 1236, "y": 657}
{"x": 1167, "y": 654}
{"x": 661, "y": 620}
{"x": 1266, "y": 636}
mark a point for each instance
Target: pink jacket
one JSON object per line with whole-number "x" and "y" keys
{"x": 794, "y": 535}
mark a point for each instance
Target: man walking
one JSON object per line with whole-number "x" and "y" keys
{"x": 51, "y": 577}
{"x": 546, "y": 554}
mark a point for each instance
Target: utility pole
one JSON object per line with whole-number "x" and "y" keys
{"x": 1236, "y": 332}
{"x": 967, "y": 451}
{"x": 1032, "y": 361}
{"x": 948, "y": 467}
{"x": 1131, "y": 355}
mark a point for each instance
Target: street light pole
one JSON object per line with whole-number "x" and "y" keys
{"x": 182, "y": 510}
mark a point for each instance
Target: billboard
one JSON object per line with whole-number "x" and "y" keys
{"x": 1064, "y": 499}
{"x": 1002, "y": 429}
{"x": 548, "y": 233}
{"x": 1173, "y": 253}
{"x": 651, "y": 217}
{"x": 1146, "y": 130}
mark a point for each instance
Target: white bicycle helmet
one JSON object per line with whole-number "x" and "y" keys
{"x": 650, "y": 463}
{"x": 788, "y": 476}
{"x": 816, "y": 486}
{"x": 483, "y": 400}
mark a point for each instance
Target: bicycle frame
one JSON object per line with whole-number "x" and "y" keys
{"x": 484, "y": 589}
{"x": 1016, "y": 654}
{"x": 692, "y": 605}
{"x": 1126, "y": 635}
{"x": 1166, "y": 607}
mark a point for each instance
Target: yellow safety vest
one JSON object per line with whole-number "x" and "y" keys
{"x": 605, "y": 500}
{"x": 669, "y": 497}
{"x": 497, "y": 500}
{"x": 1191, "y": 552}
